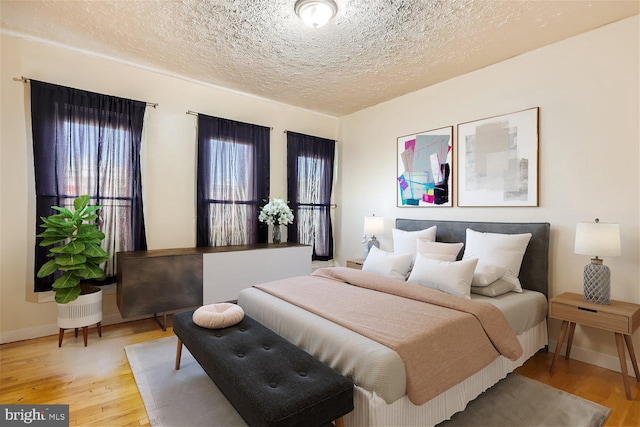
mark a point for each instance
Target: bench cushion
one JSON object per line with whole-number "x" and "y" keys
{"x": 266, "y": 378}
{"x": 215, "y": 316}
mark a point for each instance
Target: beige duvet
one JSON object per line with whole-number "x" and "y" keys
{"x": 442, "y": 339}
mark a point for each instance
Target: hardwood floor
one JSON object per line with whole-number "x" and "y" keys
{"x": 97, "y": 383}
{"x": 590, "y": 382}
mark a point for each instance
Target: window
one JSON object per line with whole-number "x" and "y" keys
{"x": 310, "y": 162}
{"x": 87, "y": 143}
{"x": 233, "y": 180}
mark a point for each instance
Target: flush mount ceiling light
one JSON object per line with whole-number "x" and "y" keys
{"x": 316, "y": 13}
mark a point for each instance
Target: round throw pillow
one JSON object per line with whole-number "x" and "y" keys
{"x": 214, "y": 316}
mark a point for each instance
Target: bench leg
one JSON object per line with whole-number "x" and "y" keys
{"x": 339, "y": 422}
{"x": 178, "y": 354}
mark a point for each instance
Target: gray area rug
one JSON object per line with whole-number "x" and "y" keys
{"x": 523, "y": 402}
{"x": 188, "y": 397}
{"x": 182, "y": 398}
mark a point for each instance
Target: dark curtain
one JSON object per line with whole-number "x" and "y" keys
{"x": 233, "y": 181}
{"x": 310, "y": 163}
{"x": 88, "y": 143}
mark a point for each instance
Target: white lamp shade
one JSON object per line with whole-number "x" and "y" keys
{"x": 373, "y": 225}
{"x": 597, "y": 239}
{"x": 315, "y": 13}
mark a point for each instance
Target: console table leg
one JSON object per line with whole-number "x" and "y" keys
{"x": 623, "y": 364}
{"x": 162, "y": 324}
{"x": 563, "y": 333}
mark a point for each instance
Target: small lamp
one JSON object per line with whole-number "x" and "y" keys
{"x": 315, "y": 13}
{"x": 604, "y": 240}
{"x": 372, "y": 225}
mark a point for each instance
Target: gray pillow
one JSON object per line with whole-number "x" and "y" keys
{"x": 494, "y": 289}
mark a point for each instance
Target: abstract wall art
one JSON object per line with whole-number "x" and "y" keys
{"x": 425, "y": 168}
{"x": 498, "y": 160}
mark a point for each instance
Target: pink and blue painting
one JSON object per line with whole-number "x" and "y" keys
{"x": 424, "y": 168}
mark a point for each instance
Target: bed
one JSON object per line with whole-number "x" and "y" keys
{"x": 382, "y": 385}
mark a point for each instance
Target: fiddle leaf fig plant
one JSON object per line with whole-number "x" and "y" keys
{"x": 76, "y": 251}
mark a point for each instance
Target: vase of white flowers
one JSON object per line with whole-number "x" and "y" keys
{"x": 276, "y": 234}
{"x": 276, "y": 213}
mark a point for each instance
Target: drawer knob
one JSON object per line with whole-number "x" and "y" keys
{"x": 588, "y": 309}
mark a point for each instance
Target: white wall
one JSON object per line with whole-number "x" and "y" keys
{"x": 169, "y": 158}
{"x": 588, "y": 94}
{"x": 586, "y": 88}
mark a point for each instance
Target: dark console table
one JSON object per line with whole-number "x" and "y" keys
{"x": 164, "y": 280}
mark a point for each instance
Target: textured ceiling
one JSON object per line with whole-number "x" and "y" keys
{"x": 372, "y": 51}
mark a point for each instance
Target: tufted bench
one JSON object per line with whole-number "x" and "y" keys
{"x": 268, "y": 380}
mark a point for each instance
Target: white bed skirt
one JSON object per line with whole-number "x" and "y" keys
{"x": 371, "y": 410}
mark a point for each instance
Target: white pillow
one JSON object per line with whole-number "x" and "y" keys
{"x": 502, "y": 250}
{"x": 439, "y": 250}
{"x": 451, "y": 277}
{"x": 440, "y": 257}
{"x": 486, "y": 274}
{"x": 387, "y": 264}
{"x": 406, "y": 241}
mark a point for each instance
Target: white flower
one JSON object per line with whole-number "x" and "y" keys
{"x": 276, "y": 212}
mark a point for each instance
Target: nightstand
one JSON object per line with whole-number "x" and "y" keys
{"x": 621, "y": 318}
{"x": 355, "y": 263}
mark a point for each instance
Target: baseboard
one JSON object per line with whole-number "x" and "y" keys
{"x": 52, "y": 329}
{"x": 589, "y": 356}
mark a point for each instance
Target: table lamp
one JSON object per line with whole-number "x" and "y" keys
{"x": 372, "y": 225}
{"x": 597, "y": 239}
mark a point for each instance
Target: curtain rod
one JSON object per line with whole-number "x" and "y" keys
{"x": 194, "y": 113}
{"x": 321, "y": 137}
{"x": 27, "y": 80}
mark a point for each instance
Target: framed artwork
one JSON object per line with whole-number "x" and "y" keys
{"x": 498, "y": 160}
{"x": 424, "y": 168}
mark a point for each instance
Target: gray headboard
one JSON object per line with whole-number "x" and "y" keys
{"x": 534, "y": 273}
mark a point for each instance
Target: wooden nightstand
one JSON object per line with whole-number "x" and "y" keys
{"x": 621, "y": 318}
{"x": 355, "y": 263}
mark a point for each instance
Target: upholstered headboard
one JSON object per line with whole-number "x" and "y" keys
{"x": 534, "y": 272}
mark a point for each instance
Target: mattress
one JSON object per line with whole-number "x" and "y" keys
{"x": 372, "y": 366}
{"x": 522, "y": 309}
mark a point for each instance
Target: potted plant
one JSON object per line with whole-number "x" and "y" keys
{"x": 76, "y": 253}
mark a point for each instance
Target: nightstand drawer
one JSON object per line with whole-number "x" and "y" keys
{"x": 589, "y": 316}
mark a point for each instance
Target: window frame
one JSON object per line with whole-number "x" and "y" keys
{"x": 212, "y": 217}
{"x": 65, "y": 121}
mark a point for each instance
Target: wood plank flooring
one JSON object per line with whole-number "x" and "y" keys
{"x": 590, "y": 382}
{"x": 97, "y": 383}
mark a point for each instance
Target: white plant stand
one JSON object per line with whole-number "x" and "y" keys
{"x": 80, "y": 313}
